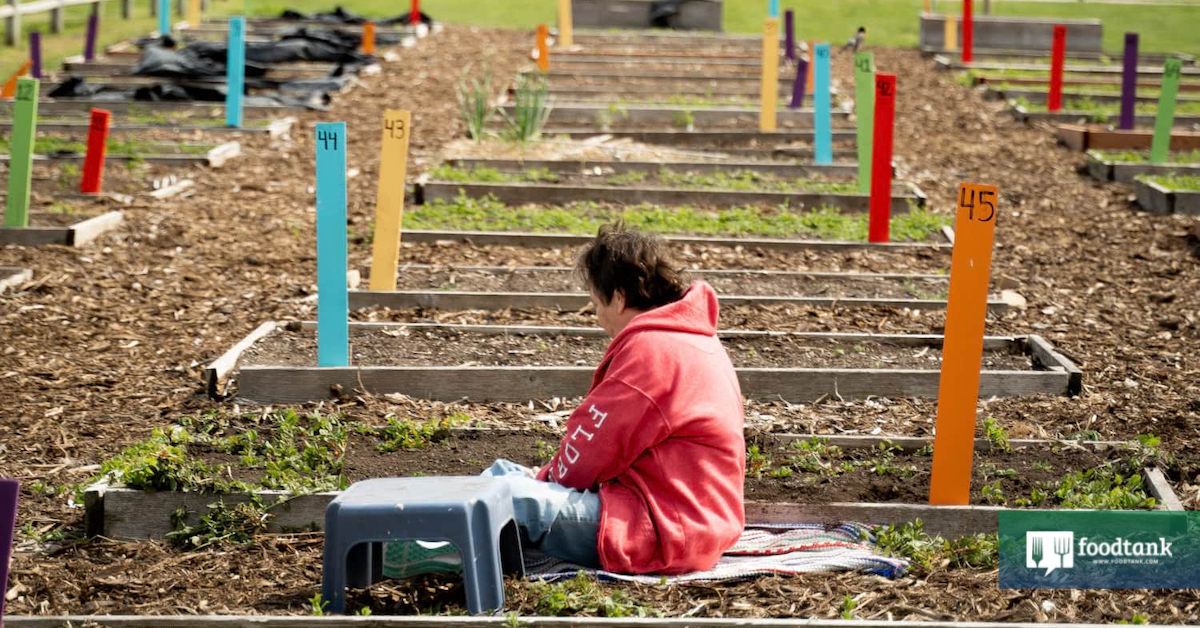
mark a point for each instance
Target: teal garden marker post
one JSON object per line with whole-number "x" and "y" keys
{"x": 20, "y": 165}
{"x": 864, "y": 103}
{"x": 1161, "y": 144}
{"x": 822, "y": 122}
{"x": 333, "y": 307}
{"x": 164, "y": 17}
{"x": 235, "y": 71}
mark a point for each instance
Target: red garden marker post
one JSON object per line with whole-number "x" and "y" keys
{"x": 1058, "y": 53}
{"x": 9, "y": 489}
{"x": 414, "y": 13}
{"x": 968, "y": 32}
{"x": 879, "y": 229}
{"x": 93, "y": 162}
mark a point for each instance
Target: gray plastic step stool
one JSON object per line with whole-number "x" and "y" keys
{"x": 475, "y": 513}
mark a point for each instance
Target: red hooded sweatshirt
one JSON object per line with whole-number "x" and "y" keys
{"x": 660, "y": 433}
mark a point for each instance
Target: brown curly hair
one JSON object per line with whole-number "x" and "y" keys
{"x": 635, "y": 263}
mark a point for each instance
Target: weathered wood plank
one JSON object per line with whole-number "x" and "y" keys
{"x": 69, "y": 106}
{"x": 224, "y": 365}
{"x": 77, "y": 234}
{"x": 1083, "y": 138}
{"x": 668, "y": 115}
{"x": 11, "y": 277}
{"x": 1153, "y": 197}
{"x": 704, "y": 137}
{"x": 556, "y": 166}
{"x": 912, "y": 443}
{"x": 552, "y": 194}
{"x": 1126, "y": 172}
{"x": 1045, "y": 354}
{"x": 1161, "y": 490}
{"x": 468, "y": 300}
{"x": 1021, "y": 114}
{"x": 277, "y": 128}
{"x": 555, "y": 240}
{"x": 92, "y": 228}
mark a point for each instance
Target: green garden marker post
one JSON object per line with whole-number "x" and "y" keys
{"x": 20, "y": 165}
{"x": 864, "y": 103}
{"x": 1161, "y": 144}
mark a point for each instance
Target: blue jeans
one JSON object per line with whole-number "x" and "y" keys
{"x": 557, "y": 520}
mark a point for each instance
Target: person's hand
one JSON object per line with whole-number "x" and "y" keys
{"x": 533, "y": 473}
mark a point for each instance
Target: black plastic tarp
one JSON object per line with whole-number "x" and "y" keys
{"x": 203, "y": 59}
{"x": 300, "y": 94}
{"x": 341, "y": 16}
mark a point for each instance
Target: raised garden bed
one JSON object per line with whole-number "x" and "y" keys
{"x": 647, "y": 76}
{"x": 697, "y": 15}
{"x": 721, "y": 139}
{"x": 545, "y": 362}
{"x": 1081, "y": 137}
{"x": 790, "y": 478}
{"x": 604, "y": 167}
{"x": 1125, "y": 166}
{"x": 11, "y": 277}
{"x": 556, "y": 287}
{"x": 1031, "y": 33}
{"x": 1112, "y": 99}
{"x": 1041, "y": 80}
{"x": 1030, "y": 114}
{"x": 171, "y": 155}
{"x": 271, "y": 128}
{"x": 1168, "y": 194}
{"x": 656, "y": 91}
{"x": 61, "y": 229}
{"x": 949, "y": 63}
{"x": 81, "y": 106}
{"x": 603, "y": 115}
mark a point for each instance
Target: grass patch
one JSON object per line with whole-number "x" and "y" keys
{"x": 1137, "y": 157}
{"x": 1176, "y": 183}
{"x": 585, "y": 218}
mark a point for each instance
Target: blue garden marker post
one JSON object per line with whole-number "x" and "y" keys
{"x": 235, "y": 71}
{"x": 773, "y": 8}
{"x": 822, "y": 122}
{"x": 9, "y": 490}
{"x": 333, "y": 307}
{"x": 164, "y": 17}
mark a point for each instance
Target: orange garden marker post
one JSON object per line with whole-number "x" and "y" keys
{"x": 93, "y": 162}
{"x": 368, "y": 42}
{"x": 1058, "y": 53}
{"x": 566, "y": 24}
{"x": 389, "y": 198}
{"x": 962, "y": 349}
{"x": 543, "y": 50}
{"x": 879, "y": 225}
{"x": 10, "y": 86}
{"x": 810, "y": 80}
{"x": 769, "y": 91}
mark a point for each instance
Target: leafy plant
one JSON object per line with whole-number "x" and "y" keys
{"x": 474, "y": 102}
{"x": 531, "y": 107}
{"x": 993, "y": 493}
{"x": 981, "y": 551}
{"x": 407, "y": 434}
{"x": 220, "y": 525}
{"x": 757, "y": 461}
{"x": 582, "y": 595}
{"x": 996, "y": 435}
{"x": 847, "y": 607}
{"x": 318, "y": 605}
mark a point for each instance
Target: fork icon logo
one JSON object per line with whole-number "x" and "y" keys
{"x": 1050, "y": 550}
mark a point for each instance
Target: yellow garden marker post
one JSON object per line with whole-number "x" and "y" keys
{"x": 389, "y": 198}
{"x": 770, "y": 74}
{"x": 962, "y": 347}
{"x": 566, "y": 24}
{"x": 193, "y": 13}
{"x": 951, "y": 36}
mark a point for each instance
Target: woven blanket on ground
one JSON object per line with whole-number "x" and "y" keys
{"x": 762, "y": 550}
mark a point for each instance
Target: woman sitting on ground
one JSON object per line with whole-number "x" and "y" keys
{"x": 649, "y": 476}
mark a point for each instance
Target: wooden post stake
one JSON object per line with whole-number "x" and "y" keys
{"x": 1129, "y": 82}
{"x": 10, "y": 86}
{"x": 20, "y": 164}
{"x": 802, "y": 75}
{"x": 789, "y": 35}
{"x": 333, "y": 301}
{"x": 968, "y": 28}
{"x": 950, "y": 34}
{"x": 769, "y": 92}
{"x": 235, "y": 71}
{"x": 962, "y": 349}
{"x": 164, "y": 17}
{"x": 35, "y": 54}
{"x": 925, "y": 9}
{"x": 368, "y": 39}
{"x": 389, "y": 198}
{"x": 864, "y": 104}
{"x": 1160, "y": 145}
{"x": 1058, "y": 53}
{"x": 566, "y": 24}
{"x": 93, "y": 162}
{"x": 194, "y": 13}
{"x": 879, "y": 228}
{"x": 93, "y": 27}
{"x": 823, "y": 114}
{"x": 543, "y": 50}
{"x": 9, "y": 491}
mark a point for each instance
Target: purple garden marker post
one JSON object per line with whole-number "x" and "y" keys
{"x": 8, "y": 524}
{"x": 35, "y": 53}
{"x": 89, "y": 45}
{"x": 798, "y": 86}
{"x": 789, "y": 35}
{"x": 1129, "y": 82}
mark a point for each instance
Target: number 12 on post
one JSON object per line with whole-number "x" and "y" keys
{"x": 962, "y": 348}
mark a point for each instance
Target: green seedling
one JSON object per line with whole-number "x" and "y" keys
{"x": 531, "y": 107}
{"x": 582, "y": 595}
{"x": 981, "y": 551}
{"x": 996, "y": 435}
{"x": 473, "y": 96}
{"x": 219, "y": 526}
{"x": 847, "y": 607}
